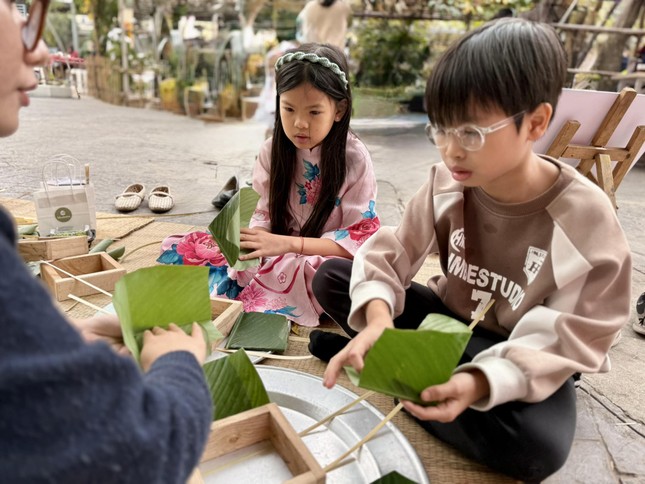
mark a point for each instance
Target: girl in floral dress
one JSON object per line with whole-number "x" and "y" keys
{"x": 317, "y": 194}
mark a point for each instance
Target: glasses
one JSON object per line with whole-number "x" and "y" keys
{"x": 470, "y": 137}
{"x": 32, "y": 31}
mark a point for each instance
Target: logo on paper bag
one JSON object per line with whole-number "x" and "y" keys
{"x": 63, "y": 214}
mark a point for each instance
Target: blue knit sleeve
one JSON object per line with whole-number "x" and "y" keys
{"x": 79, "y": 413}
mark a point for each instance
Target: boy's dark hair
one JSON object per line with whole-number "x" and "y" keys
{"x": 510, "y": 63}
{"x": 332, "y": 155}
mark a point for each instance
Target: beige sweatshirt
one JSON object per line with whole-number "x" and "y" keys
{"x": 558, "y": 267}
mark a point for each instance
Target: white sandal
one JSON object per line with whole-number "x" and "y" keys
{"x": 160, "y": 200}
{"x": 131, "y": 198}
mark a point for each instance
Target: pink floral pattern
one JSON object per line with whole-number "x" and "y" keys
{"x": 199, "y": 249}
{"x": 312, "y": 189}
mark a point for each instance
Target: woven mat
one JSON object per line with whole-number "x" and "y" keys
{"x": 108, "y": 226}
{"x": 442, "y": 463}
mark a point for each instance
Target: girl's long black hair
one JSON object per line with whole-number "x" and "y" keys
{"x": 333, "y": 167}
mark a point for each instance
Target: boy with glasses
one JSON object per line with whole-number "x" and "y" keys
{"x": 524, "y": 230}
{"x": 72, "y": 410}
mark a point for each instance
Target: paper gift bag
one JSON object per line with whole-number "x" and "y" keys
{"x": 65, "y": 202}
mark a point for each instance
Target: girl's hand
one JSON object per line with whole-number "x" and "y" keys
{"x": 453, "y": 397}
{"x": 158, "y": 342}
{"x": 262, "y": 243}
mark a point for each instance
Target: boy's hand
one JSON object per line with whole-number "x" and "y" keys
{"x": 158, "y": 342}
{"x": 377, "y": 314}
{"x": 453, "y": 397}
{"x": 102, "y": 327}
{"x": 353, "y": 354}
{"x": 262, "y": 243}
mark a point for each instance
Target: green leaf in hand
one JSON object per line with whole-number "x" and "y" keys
{"x": 225, "y": 227}
{"x": 160, "y": 295}
{"x": 402, "y": 362}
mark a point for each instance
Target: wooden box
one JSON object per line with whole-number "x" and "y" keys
{"x": 265, "y": 423}
{"x": 225, "y": 312}
{"x": 98, "y": 269}
{"x": 49, "y": 249}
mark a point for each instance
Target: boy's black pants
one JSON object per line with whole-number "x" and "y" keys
{"x": 528, "y": 441}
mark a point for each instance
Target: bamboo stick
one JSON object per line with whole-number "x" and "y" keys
{"x": 336, "y": 413}
{"x": 264, "y": 354}
{"x": 339, "y": 462}
{"x": 481, "y": 315}
{"x": 88, "y": 304}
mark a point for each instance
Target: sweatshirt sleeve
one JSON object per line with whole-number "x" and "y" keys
{"x": 79, "y": 412}
{"x": 384, "y": 265}
{"x": 574, "y": 327}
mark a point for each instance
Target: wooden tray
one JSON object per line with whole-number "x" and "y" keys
{"x": 99, "y": 269}
{"x": 265, "y": 423}
{"x": 49, "y": 249}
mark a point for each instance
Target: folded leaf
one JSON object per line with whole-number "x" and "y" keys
{"x": 225, "y": 227}
{"x": 235, "y": 385}
{"x": 160, "y": 295}
{"x": 402, "y": 362}
{"x": 259, "y": 331}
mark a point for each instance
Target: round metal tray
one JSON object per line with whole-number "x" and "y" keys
{"x": 304, "y": 401}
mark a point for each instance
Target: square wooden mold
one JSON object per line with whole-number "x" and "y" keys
{"x": 265, "y": 423}
{"x": 225, "y": 312}
{"x": 49, "y": 249}
{"x": 99, "y": 269}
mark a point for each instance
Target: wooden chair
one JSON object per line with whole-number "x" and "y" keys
{"x": 597, "y": 154}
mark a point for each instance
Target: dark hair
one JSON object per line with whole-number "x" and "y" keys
{"x": 510, "y": 63}
{"x": 332, "y": 154}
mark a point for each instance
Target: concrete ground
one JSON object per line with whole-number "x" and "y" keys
{"x": 127, "y": 145}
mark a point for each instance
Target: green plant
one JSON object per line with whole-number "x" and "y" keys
{"x": 390, "y": 53}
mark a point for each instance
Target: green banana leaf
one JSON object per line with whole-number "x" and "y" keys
{"x": 259, "y": 331}
{"x": 225, "y": 227}
{"x": 101, "y": 246}
{"x": 117, "y": 253}
{"x": 160, "y": 295}
{"x": 404, "y": 362}
{"x": 393, "y": 478}
{"x": 27, "y": 229}
{"x": 234, "y": 384}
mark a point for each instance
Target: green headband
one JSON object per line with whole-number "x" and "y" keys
{"x": 314, "y": 59}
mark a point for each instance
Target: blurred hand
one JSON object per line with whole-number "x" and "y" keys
{"x": 158, "y": 342}
{"x": 102, "y": 327}
{"x": 453, "y": 397}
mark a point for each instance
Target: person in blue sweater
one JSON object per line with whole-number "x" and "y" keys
{"x": 73, "y": 410}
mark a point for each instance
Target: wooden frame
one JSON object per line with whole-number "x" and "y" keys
{"x": 597, "y": 155}
{"x": 98, "y": 269}
{"x": 254, "y": 426}
{"x": 225, "y": 312}
{"x": 50, "y": 248}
